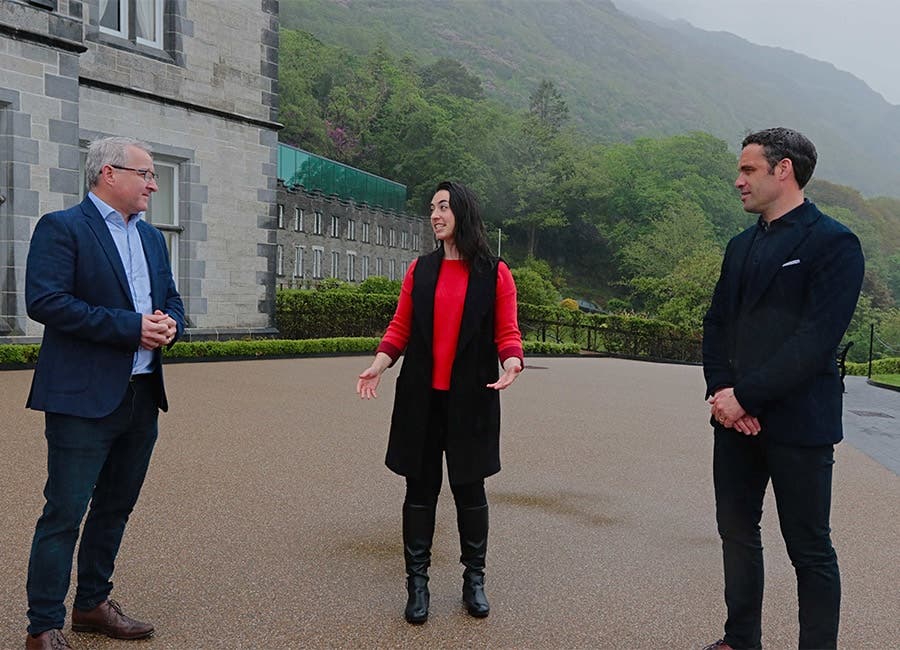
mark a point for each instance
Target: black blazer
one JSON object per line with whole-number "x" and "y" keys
{"x": 776, "y": 344}
{"x": 473, "y": 427}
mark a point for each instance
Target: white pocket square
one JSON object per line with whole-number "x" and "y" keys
{"x": 791, "y": 263}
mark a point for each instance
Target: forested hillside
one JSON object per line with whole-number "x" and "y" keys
{"x": 633, "y": 226}
{"x": 624, "y": 77}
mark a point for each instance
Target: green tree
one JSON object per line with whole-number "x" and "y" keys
{"x": 681, "y": 231}
{"x": 449, "y": 76}
{"x": 683, "y": 296}
{"x": 532, "y": 289}
{"x": 549, "y": 106}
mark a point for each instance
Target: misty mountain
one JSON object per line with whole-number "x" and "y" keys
{"x": 626, "y": 76}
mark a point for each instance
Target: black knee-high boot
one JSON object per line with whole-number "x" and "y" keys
{"x": 418, "y": 531}
{"x": 473, "y": 534}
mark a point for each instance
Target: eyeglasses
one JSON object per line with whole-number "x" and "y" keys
{"x": 146, "y": 173}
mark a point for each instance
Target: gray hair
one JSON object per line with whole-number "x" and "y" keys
{"x": 108, "y": 151}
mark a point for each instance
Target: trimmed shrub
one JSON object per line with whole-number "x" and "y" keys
{"x": 269, "y": 348}
{"x": 544, "y": 347}
{"x": 612, "y": 333}
{"x": 23, "y": 354}
{"x": 890, "y": 366}
{"x": 301, "y": 314}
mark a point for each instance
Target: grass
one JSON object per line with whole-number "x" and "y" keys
{"x": 892, "y": 380}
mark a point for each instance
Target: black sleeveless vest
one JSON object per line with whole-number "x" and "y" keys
{"x": 473, "y": 427}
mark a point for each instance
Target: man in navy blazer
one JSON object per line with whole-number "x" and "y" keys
{"x": 98, "y": 277}
{"x": 785, "y": 296}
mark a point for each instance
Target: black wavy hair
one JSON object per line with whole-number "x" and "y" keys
{"x": 469, "y": 234}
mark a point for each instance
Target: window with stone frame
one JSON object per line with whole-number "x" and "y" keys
{"x": 298, "y": 219}
{"x": 139, "y": 21}
{"x": 298, "y": 261}
{"x": 318, "y": 252}
{"x": 335, "y": 263}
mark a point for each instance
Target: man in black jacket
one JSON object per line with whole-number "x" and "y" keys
{"x": 787, "y": 290}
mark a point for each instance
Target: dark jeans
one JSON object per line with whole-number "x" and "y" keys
{"x": 102, "y": 461}
{"x": 425, "y": 489}
{"x": 801, "y": 480}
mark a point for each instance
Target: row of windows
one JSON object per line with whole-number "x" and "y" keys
{"x": 407, "y": 239}
{"x": 353, "y": 274}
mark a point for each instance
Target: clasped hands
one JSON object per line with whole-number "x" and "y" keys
{"x": 157, "y": 329}
{"x": 728, "y": 412}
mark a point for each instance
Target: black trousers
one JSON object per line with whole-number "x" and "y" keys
{"x": 425, "y": 489}
{"x": 801, "y": 480}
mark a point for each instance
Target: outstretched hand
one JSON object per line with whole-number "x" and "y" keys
{"x": 367, "y": 383}
{"x": 509, "y": 375}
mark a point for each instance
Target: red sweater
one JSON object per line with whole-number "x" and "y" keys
{"x": 449, "y": 298}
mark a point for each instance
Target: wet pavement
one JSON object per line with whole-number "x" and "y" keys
{"x": 268, "y": 519}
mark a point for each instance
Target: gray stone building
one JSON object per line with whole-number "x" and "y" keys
{"x": 197, "y": 80}
{"x": 319, "y": 236}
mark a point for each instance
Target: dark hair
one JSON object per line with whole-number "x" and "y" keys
{"x": 469, "y": 233}
{"x": 780, "y": 143}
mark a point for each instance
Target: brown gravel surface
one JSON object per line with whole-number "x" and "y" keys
{"x": 268, "y": 519}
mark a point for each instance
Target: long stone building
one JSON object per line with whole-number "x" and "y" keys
{"x": 335, "y": 221}
{"x": 197, "y": 80}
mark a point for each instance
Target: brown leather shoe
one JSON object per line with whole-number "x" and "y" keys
{"x": 718, "y": 645}
{"x": 49, "y": 640}
{"x": 109, "y": 619}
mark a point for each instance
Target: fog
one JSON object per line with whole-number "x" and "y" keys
{"x": 858, "y": 36}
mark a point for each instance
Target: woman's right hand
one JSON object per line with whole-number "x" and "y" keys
{"x": 368, "y": 382}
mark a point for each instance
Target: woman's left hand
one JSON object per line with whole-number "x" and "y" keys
{"x": 511, "y": 370}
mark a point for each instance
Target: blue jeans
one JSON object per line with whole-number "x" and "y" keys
{"x": 801, "y": 480}
{"x": 102, "y": 461}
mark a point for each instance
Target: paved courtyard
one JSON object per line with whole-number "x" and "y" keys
{"x": 268, "y": 520}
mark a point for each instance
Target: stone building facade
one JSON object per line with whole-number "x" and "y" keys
{"x": 197, "y": 80}
{"x": 320, "y": 237}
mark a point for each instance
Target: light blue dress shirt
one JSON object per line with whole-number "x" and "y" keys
{"x": 128, "y": 242}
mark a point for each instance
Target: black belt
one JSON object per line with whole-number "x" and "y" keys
{"x": 140, "y": 378}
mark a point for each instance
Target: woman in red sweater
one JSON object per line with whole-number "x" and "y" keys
{"x": 455, "y": 318}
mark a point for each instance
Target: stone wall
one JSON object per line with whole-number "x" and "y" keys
{"x": 205, "y": 102}
{"x": 351, "y": 242}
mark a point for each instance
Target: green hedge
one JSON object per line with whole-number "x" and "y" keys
{"x": 27, "y": 354}
{"x": 541, "y": 347}
{"x": 890, "y": 366}
{"x": 19, "y": 353}
{"x": 269, "y": 347}
{"x": 612, "y": 333}
{"x": 301, "y": 314}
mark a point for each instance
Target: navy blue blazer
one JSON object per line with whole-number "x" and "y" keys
{"x": 776, "y": 345}
{"x": 75, "y": 285}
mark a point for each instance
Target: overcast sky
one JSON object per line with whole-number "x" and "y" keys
{"x": 859, "y": 36}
